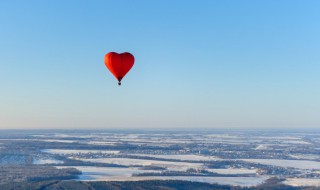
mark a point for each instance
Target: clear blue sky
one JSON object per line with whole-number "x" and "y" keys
{"x": 212, "y": 64}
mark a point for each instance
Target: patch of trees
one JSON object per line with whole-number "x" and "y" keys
{"x": 127, "y": 185}
{"x": 72, "y": 162}
{"x": 36, "y": 173}
{"x": 273, "y": 183}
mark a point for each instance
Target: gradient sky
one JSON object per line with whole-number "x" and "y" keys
{"x": 212, "y": 64}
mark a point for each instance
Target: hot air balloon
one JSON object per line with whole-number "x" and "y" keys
{"x": 119, "y": 64}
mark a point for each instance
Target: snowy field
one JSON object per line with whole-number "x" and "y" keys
{"x": 57, "y": 140}
{"x": 306, "y": 156}
{"x": 46, "y": 161}
{"x": 102, "y": 143}
{"x": 176, "y": 152}
{"x": 302, "y": 182}
{"x": 233, "y": 171}
{"x": 174, "y": 166}
{"x": 70, "y": 151}
{"x": 300, "y": 164}
{"x": 125, "y": 174}
{"x": 184, "y": 157}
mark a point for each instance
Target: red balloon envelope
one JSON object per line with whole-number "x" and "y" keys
{"x": 119, "y": 64}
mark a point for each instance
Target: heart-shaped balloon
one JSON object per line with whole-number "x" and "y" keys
{"x": 119, "y": 64}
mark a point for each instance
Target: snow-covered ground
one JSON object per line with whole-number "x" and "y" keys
{"x": 57, "y": 140}
{"x": 300, "y": 164}
{"x": 46, "y": 161}
{"x": 234, "y": 171}
{"x": 295, "y": 142}
{"x": 102, "y": 142}
{"x": 302, "y": 182}
{"x": 174, "y": 166}
{"x": 125, "y": 174}
{"x": 184, "y": 157}
{"x": 68, "y": 151}
{"x": 306, "y": 156}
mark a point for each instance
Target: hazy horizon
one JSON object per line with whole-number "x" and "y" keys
{"x": 211, "y": 64}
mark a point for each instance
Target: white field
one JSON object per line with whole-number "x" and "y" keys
{"x": 46, "y": 140}
{"x": 234, "y": 171}
{"x": 223, "y": 136}
{"x": 59, "y": 135}
{"x": 102, "y": 142}
{"x": 62, "y": 135}
{"x": 302, "y": 182}
{"x": 229, "y": 139}
{"x": 174, "y": 166}
{"x": 56, "y": 140}
{"x": 184, "y": 157}
{"x": 184, "y": 141}
{"x": 295, "y": 142}
{"x": 68, "y": 151}
{"x": 47, "y": 161}
{"x": 305, "y": 156}
{"x": 39, "y": 135}
{"x": 284, "y": 138}
{"x": 261, "y": 147}
{"x": 125, "y": 174}
{"x": 300, "y": 164}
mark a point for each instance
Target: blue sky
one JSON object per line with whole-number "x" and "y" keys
{"x": 210, "y": 64}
